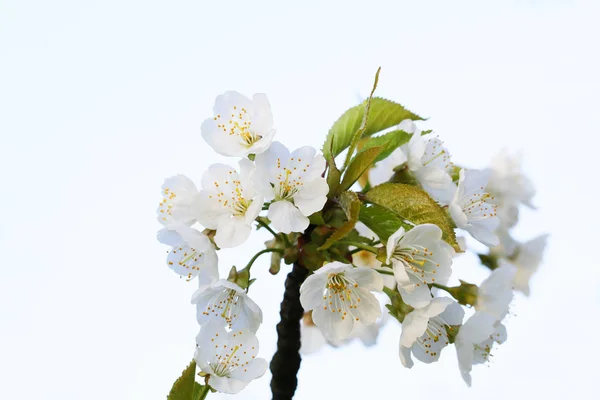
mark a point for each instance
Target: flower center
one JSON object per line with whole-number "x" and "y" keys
{"x": 341, "y": 295}
{"x": 226, "y": 361}
{"x": 287, "y": 185}
{"x": 476, "y": 208}
{"x": 435, "y": 337}
{"x": 418, "y": 261}
{"x": 239, "y": 125}
{"x": 225, "y": 305}
{"x": 185, "y": 257}
{"x": 436, "y": 154}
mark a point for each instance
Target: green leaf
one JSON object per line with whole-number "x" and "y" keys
{"x": 358, "y": 134}
{"x": 383, "y": 114}
{"x": 351, "y": 205}
{"x": 413, "y": 204}
{"x": 361, "y": 163}
{"x": 388, "y": 142}
{"x": 333, "y": 177}
{"x": 183, "y": 388}
{"x": 380, "y": 220}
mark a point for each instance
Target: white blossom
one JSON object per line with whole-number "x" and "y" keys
{"x": 240, "y": 126}
{"x": 475, "y": 340}
{"x": 471, "y": 210}
{"x": 228, "y": 303}
{"x": 431, "y": 164}
{"x": 496, "y": 292}
{"x": 419, "y": 257}
{"x": 425, "y": 330}
{"x": 229, "y": 203}
{"x": 293, "y": 183}
{"x": 228, "y": 358}
{"x": 527, "y": 258}
{"x": 192, "y": 253}
{"x": 339, "y": 296}
{"x": 426, "y": 158}
{"x": 507, "y": 182}
{"x": 177, "y": 205}
{"x": 312, "y": 339}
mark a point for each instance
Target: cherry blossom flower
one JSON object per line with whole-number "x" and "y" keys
{"x": 419, "y": 257}
{"x": 425, "y": 330}
{"x": 475, "y": 340}
{"x": 527, "y": 258}
{"x": 228, "y": 359}
{"x": 507, "y": 182}
{"x": 229, "y": 203}
{"x": 471, "y": 210}
{"x": 228, "y": 303}
{"x": 293, "y": 183}
{"x": 192, "y": 254}
{"x": 496, "y": 292}
{"x": 426, "y": 158}
{"x": 240, "y": 126}
{"x": 339, "y": 296}
{"x": 177, "y": 205}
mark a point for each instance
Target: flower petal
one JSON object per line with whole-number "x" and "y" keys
{"x": 232, "y": 232}
{"x": 286, "y": 218}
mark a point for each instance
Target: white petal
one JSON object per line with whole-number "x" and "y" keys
{"x": 405, "y": 357}
{"x": 413, "y": 327}
{"x": 262, "y": 117}
{"x": 232, "y": 232}
{"x": 312, "y": 340}
{"x": 477, "y": 328}
{"x": 286, "y": 218}
{"x": 366, "y": 278}
{"x": 369, "y": 309}
{"x": 464, "y": 354}
{"x": 436, "y": 307}
{"x": 253, "y": 370}
{"x": 333, "y": 325}
{"x": 415, "y": 296}
{"x": 311, "y": 291}
{"x": 250, "y": 317}
{"x": 169, "y": 237}
{"x": 226, "y": 385}
{"x": 392, "y": 242}
{"x": 453, "y": 314}
{"x": 312, "y": 197}
{"x": 458, "y": 216}
{"x": 254, "y": 209}
{"x": 434, "y": 178}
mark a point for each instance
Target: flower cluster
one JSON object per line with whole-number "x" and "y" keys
{"x": 288, "y": 185}
{"x": 376, "y": 238}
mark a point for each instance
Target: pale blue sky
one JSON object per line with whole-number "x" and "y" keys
{"x": 101, "y": 100}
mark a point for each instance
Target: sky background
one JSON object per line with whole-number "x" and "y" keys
{"x": 101, "y": 100}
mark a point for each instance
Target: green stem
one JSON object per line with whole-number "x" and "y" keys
{"x": 384, "y": 271}
{"x": 203, "y": 393}
{"x": 272, "y": 250}
{"x": 359, "y": 245}
{"x": 439, "y": 286}
{"x": 267, "y": 227}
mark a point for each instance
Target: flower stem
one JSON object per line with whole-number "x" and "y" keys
{"x": 359, "y": 245}
{"x": 439, "y": 286}
{"x": 286, "y": 361}
{"x": 385, "y": 271}
{"x": 203, "y": 393}
{"x": 267, "y": 227}
{"x": 263, "y": 251}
